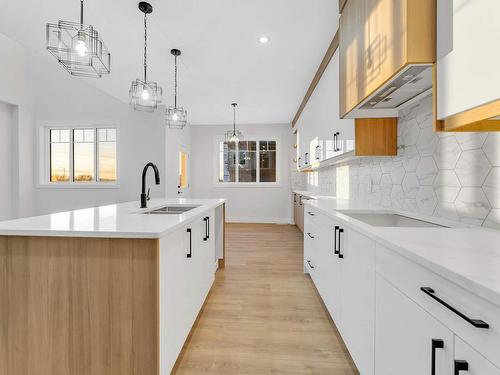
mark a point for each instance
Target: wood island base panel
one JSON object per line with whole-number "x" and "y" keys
{"x": 78, "y": 306}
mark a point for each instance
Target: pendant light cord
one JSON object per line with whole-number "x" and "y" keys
{"x": 81, "y": 12}
{"x": 175, "y": 82}
{"x": 145, "y": 46}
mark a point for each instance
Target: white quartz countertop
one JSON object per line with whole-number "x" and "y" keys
{"x": 312, "y": 194}
{"x": 467, "y": 256}
{"x": 123, "y": 220}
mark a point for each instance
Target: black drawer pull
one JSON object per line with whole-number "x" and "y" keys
{"x": 310, "y": 213}
{"x": 338, "y": 249}
{"x": 205, "y": 225}
{"x": 310, "y": 235}
{"x": 190, "y": 243}
{"x": 310, "y": 265}
{"x": 436, "y": 344}
{"x": 475, "y": 322}
{"x": 461, "y": 366}
{"x": 335, "y": 250}
{"x": 208, "y": 227}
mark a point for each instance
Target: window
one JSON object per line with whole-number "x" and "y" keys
{"x": 81, "y": 155}
{"x": 252, "y": 161}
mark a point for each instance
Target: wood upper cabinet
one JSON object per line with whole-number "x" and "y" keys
{"x": 378, "y": 38}
{"x": 376, "y": 137}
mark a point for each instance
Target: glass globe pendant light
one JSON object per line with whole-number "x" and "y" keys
{"x": 233, "y": 135}
{"x": 175, "y": 117}
{"x": 145, "y": 95}
{"x": 78, "y": 48}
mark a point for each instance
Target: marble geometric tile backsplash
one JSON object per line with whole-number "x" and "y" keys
{"x": 450, "y": 175}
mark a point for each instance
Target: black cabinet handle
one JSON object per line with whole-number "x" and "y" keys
{"x": 310, "y": 265}
{"x": 208, "y": 227}
{"x": 334, "y": 142}
{"x": 190, "y": 243}
{"x": 306, "y": 157}
{"x": 310, "y": 213}
{"x": 300, "y": 200}
{"x": 461, "y": 366}
{"x": 335, "y": 250}
{"x": 475, "y": 322}
{"x": 317, "y": 155}
{"x": 337, "y": 148}
{"x": 295, "y": 198}
{"x": 299, "y": 162}
{"x": 436, "y": 344}
{"x": 338, "y": 250}
{"x": 310, "y": 235}
{"x": 205, "y": 237}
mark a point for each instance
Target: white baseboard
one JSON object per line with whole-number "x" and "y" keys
{"x": 257, "y": 220}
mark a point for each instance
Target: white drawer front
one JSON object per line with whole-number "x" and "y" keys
{"x": 410, "y": 277}
{"x": 476, "y": 364}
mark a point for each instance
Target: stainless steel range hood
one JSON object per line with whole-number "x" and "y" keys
{"x": 406, "y": 87}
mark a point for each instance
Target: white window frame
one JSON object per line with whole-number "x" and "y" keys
{"x": 44, "y": 156}
{"x": 216, "y": 164}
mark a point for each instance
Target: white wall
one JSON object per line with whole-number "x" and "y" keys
{"x": 44, "y": 92}
{"x": 6, "y": 120}
{"x": 245, "y": 204}
{"x": 15, "y": 90}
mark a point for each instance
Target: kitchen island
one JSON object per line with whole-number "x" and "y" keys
{"x": 107, "y": 290}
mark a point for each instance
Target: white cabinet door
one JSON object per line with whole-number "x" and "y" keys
{"x": 405, "y": 334}
{"x": 358, "y": 297}
{"x": 467, "y": 63}
{"x": 471, "y": 361}
{"x": 202, "y": 260}
{"x": 208, "y": 240}
{"x": 175, "y": 307}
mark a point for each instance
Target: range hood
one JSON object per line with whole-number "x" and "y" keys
{"x": 409, "y": 85}
{"x": 406, "y": 87}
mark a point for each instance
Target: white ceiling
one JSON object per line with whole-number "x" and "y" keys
{"x": 221, "y": 60}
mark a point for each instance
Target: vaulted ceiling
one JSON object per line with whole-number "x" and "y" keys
{"x": 222, "y": 60}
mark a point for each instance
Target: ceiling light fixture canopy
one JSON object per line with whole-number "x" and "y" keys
{"x": 145, "y": 95}
{"x": 78, "y": 48}
{"x": 175, "y": 117}
{"x": 234, "y": 135}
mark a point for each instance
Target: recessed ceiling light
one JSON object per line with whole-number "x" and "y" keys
{"x": 263, "y": 39}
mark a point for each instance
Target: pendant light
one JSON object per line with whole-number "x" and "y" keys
{"x": 145, "y": 95}
{"x": 78, "y": 48}
{"x": 175, "y": 117}
{"x": 234, "y": 135}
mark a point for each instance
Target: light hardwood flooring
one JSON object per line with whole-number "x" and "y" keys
{"x": 263, "y": 315}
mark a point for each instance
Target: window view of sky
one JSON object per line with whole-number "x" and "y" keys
{"x": 86, "y": 147}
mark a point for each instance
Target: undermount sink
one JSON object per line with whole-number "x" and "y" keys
{"x": 391, "y": 220}
{"x": 171, "y": 210}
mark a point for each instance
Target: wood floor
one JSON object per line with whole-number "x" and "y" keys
{"x": 263, "y": 315}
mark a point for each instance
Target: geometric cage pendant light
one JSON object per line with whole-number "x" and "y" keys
{"x": 145, "y": 95}
{"x": 175, "y": 117}
{"x": 233, "y": 135}
{"x": 78, "y": 48}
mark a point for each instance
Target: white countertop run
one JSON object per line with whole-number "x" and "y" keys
{"x": 312, "y": 194}
{"x": 467, "y": 256}
{"x": 123, "y": 220}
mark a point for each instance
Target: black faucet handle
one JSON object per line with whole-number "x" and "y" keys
{"x": 147, "y": 196}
